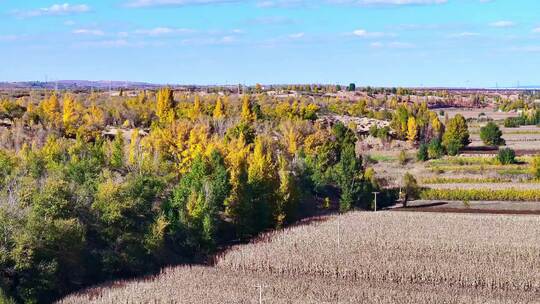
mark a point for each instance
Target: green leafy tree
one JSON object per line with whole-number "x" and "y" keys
{"x": 117, "y": 151}
{"x": 422, "y": 154}
{"x": 491, "y": 135}
{"x": 125, "y": 215}
{"x": 348, "y": 176}
{"x": 196, "y": 202}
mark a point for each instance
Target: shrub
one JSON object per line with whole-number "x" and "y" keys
{"x": 453, "y": 147}
{"x": 373, "y": 130}
{"x": 435, "y": 149}
{"x": 402, "y": 158}
{"x": 411, "y": 188}
{"x": 535, "y": 166}
{"x": 506, "y": 156}
{"x": 422, "y": 154}
{"x": 491, "y": 135}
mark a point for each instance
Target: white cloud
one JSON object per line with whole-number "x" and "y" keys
{"x": 154, "y": 3}
{"x": 160, "y": 31}
{"x": 296, "y": 35}
{"x": 528, "y": 49}
{"x": 365, "y": 34}
{"x": 9, "y": 37}
{"x": 388, "y": 2}
{"x": 223, "y": 40}
{"x": 536, "y": 30}
{"x": 282, "y": 3}
{"x": 89, "y": 32}
{"x": 401, "y": 45}
{"x": 392, "y": 45}
{"x": 464, "y": 35}
{"x": 116, "y": 43}
{"x": 55, "y": 10}
{"x": 271, "y": 20}
{"x": 502, "y": 24}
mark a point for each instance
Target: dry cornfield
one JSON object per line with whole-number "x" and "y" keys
{"x": 386, "y": 257}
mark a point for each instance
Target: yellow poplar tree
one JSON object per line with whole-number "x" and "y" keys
{"x": 436, "y": 124}
{"x": 412, "y": 129}
{"x": 70, "y": 115}
{"x": 196, "y": 110}
{"x": 51, "y": 109}
{"x": 219, "y": 110}
{"x": 165, "y": 106}
{"x": 133, "y": 147}
{"x": 247, "y": 114}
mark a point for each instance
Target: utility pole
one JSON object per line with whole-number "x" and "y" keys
{"x": 338, "y": 233}
{"x": 260, "y": 293}
{"x": 376, "y": 200}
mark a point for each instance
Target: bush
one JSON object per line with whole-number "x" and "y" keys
{"x": 491, "y": 135}
{"x": 435, "y": 149}
{"x": 411, "y": 188}
{"x": 402, "y": 158}
{"x": 511, "y": 122}
{"x": 506, "y": 156}
{"x": 422, "y": 154}
{"x": 453, "y": 147}
{"x": 535, "y": 167}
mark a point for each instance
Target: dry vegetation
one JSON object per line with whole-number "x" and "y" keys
{"x": 435, "y": 258}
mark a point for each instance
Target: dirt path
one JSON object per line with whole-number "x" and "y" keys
{"x": 490, "y": 207}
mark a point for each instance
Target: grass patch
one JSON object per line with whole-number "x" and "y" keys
{"x": 472, "y": 160}
{"x": 501, "y": 169}
{"x": 481, "y": 194}
{"x": 378, "y": 158}
{"x": 465, "y": 180}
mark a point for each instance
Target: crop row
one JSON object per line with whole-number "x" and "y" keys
{"x": 474, "y": 180}
{"x": 481, "y": 194}
{"x": 502, "y": 169}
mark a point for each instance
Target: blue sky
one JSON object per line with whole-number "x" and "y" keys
{"x": 371, "y": 42}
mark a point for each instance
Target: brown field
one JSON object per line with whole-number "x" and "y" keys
{"x": 385, "y": 257}
{"x": 475, "y": 113}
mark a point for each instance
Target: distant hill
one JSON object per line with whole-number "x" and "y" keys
{"x": 77, "y": 84}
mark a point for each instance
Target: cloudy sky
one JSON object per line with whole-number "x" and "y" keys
{"x": 370, "y": 42}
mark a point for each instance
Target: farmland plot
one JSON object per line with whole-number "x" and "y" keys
{"x": 483, "y": 252}
{"x": 386, "y": 257}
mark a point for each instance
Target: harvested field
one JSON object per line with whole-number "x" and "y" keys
{"x": 385, "y": 257}
{"x": 477, "y": 112}
{"x": 211, "y": 285}
{"x": 483, "y": 252}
